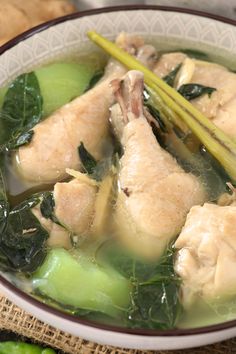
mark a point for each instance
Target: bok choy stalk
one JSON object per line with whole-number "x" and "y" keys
{"x": 222, "y": 147}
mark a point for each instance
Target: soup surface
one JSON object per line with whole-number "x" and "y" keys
{"x": 109, "y": 210}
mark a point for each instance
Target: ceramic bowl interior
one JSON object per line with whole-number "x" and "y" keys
{"x": 169, "y": 29}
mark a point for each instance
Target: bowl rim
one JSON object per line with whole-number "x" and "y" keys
{"x": 59, "y": 313}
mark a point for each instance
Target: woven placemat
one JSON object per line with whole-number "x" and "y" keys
{"x": 15, "y": 319}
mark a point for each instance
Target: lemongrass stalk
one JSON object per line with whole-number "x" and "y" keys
{"x": 222, "y": 147}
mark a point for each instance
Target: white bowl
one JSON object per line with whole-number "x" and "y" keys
{"x": 171, "y": 28}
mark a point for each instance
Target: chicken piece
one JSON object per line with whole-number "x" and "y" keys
{"x": 168, "y": 62}
{"x": 74, "y": 208}
{"x": 207, "y": 254}
{"x": 74, "y": 205}
{"x": 54, "y": 146}
{"x": 217, "y": 76}
{"x": 220, "y": 106}
{"x": 56, "y": 139}
{"x": 225, "y": 118}
{"x": 155, "y": 194}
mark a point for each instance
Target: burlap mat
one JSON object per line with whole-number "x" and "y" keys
{"x": 14, "y": 319}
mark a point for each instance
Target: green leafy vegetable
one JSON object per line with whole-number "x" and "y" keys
{"x": 170, "y": 78}
{"x": 23, "y": 348}
{"x": 88, "y": 161}
{"x": 4, "y": 206}
{"x": 94, "y": 80}
{"x": 191, "y": 91}
{"x": 15, "y": 143}
{"x": 155, "y": 301}
{"x": 193, "y": 53}
{"x": 22, "y": 107}
{"x": 155, "y": 295}
{"x": 47, "y": 205}
{"x": 156, "y": 114}
{"x": 22, "y": 238}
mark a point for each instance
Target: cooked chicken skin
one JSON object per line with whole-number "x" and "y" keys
{"x": 56, "y": 139}
{"x": 74, "y": 205}
{"x": 207, "y": 253}
{"x": 155, "y": 193}
{"x": 220, "y": 106}
{"x": 54, "y": 146}
{"x": 74, "y": 208}
{"x": 168, "y": 62}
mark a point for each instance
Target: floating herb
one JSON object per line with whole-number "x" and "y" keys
{"x": 15, "y": 143}
{"x": 47, "y": 207}
{"x": 156, "y": 114}
{"x": 170, "y": 78}
{"x": 94, "y": 80}
{"x": 88, "y": 161}
{"x": 155, "y": 289}
{"x": 193, "y": 53}
{"x": 155, "y": 301}
{"x": 4, "y": 205}
{"x": 191, "y": 91}
{"x": 21, "y": 110}
{"x": 22, "y": 238}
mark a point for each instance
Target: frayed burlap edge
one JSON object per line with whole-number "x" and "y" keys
{"x": 15, "y": 319}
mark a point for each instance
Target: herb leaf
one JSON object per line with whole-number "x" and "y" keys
{"x": 21, "y": 110}
{"x": 22, "y": 238}
{"x": 23, "y": 139}
{"x": 88, "y": 161}
{"x": 96, "y": 77}
{"x": 155, "y": 301}
{"x": 155, "y": 295}
{"x": 170, "y": 78}
{"x": 4, "y": 205}
{"x": 196, "y": 54}
{"x": 47, "y": 207}
{"x": 191, "y": 91}
{"x": 156, "y": 114}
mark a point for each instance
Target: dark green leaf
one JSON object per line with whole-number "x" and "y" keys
{"x": 156, "y": 114}
{"x": 191, "y": 91}
{"x": 22, "y": 108}
{"x": 4, "y": 206}
{"x": 21, "y": 140}
{"x": 155, "y": 301}
{"x": 88, "y": 161}
{"x": 96, "y": 77}
{"x": 170, "y": 78}
{"x": 47, "y": 207}
{"x": 22, "y": 240}
{"x": 155, "y": 295}
{"x": 193, "y": 53}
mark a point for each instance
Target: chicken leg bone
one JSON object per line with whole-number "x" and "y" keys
{"x": 155, "y": 193}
